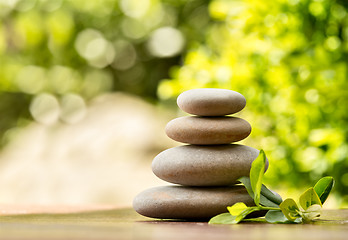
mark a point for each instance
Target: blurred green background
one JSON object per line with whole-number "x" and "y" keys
{"x": 289, "y": 58}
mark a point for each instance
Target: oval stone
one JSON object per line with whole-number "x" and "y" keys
{"x": 207, "y": 130}
{"x": 191, "y": 165}
{"x": 179, "y": 202}
{"x": 211, "y": 101}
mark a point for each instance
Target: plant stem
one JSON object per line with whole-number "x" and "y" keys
{"x": 267, "y": 208}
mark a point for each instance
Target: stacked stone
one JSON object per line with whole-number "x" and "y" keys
{"x": 206, "y": 170}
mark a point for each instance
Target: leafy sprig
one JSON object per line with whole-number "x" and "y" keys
{"x": 278, "y": 211}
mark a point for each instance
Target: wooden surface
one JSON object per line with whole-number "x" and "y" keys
{"x": 124, "y": 223}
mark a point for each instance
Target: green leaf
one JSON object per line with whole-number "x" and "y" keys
{"x": 311, "y": 212}
{"x": 227, "y": 218}
{"x": 290, "y": 209}
{"x": 223, "y": 218}
{"x": 267, "y": 197}
{"x": 237, "y": 208}
{"x": 245, "y": 213}
{"x": 266, "y": 202}
{"x": 247, "y": 185}
{"x": 275, "y": 216}
{"x": 309, "y": 198}
{"x": 274, "y": 197}
{"x": 323, "y": 188}
{"x": 256, "y": 174}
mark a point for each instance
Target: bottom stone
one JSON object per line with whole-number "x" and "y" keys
{"x": 181, "y": 202}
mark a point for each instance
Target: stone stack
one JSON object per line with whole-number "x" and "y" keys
{"x": 206, "y": 170}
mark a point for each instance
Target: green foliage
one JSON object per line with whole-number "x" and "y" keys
{"x": 256, "y": 174}
{"x": 286, "y": 211}
{"x": 223, "y": 218}
{"x": 323, "y": 188}
{"x": 267, "y": 198}
{"x": 290, "y": 209}
{"x": 87, "y": 48}
{"x": 275, "y": 198}
{"x": 309, "y": 198}
{"x": 243, "y": 214}
{"x": 237, "y": 208}
{"x": 290, "y": 60}
{"x": 311, "y": 212}
{"x": 276, "y": 216}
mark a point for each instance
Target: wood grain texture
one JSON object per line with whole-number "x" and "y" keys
{"x": 126, "y": 224}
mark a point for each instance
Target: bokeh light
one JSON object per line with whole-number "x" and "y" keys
{"x": 166, "y": 42}
{"x": 288, "y": 58}
{"x": 31, "y": 79}
{"x": 45, "y": 108}
{"x": 91, "y": 45}
{"x": 73, "y": 108}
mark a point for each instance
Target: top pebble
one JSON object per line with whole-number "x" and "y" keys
{"x": 211, "y": 101}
